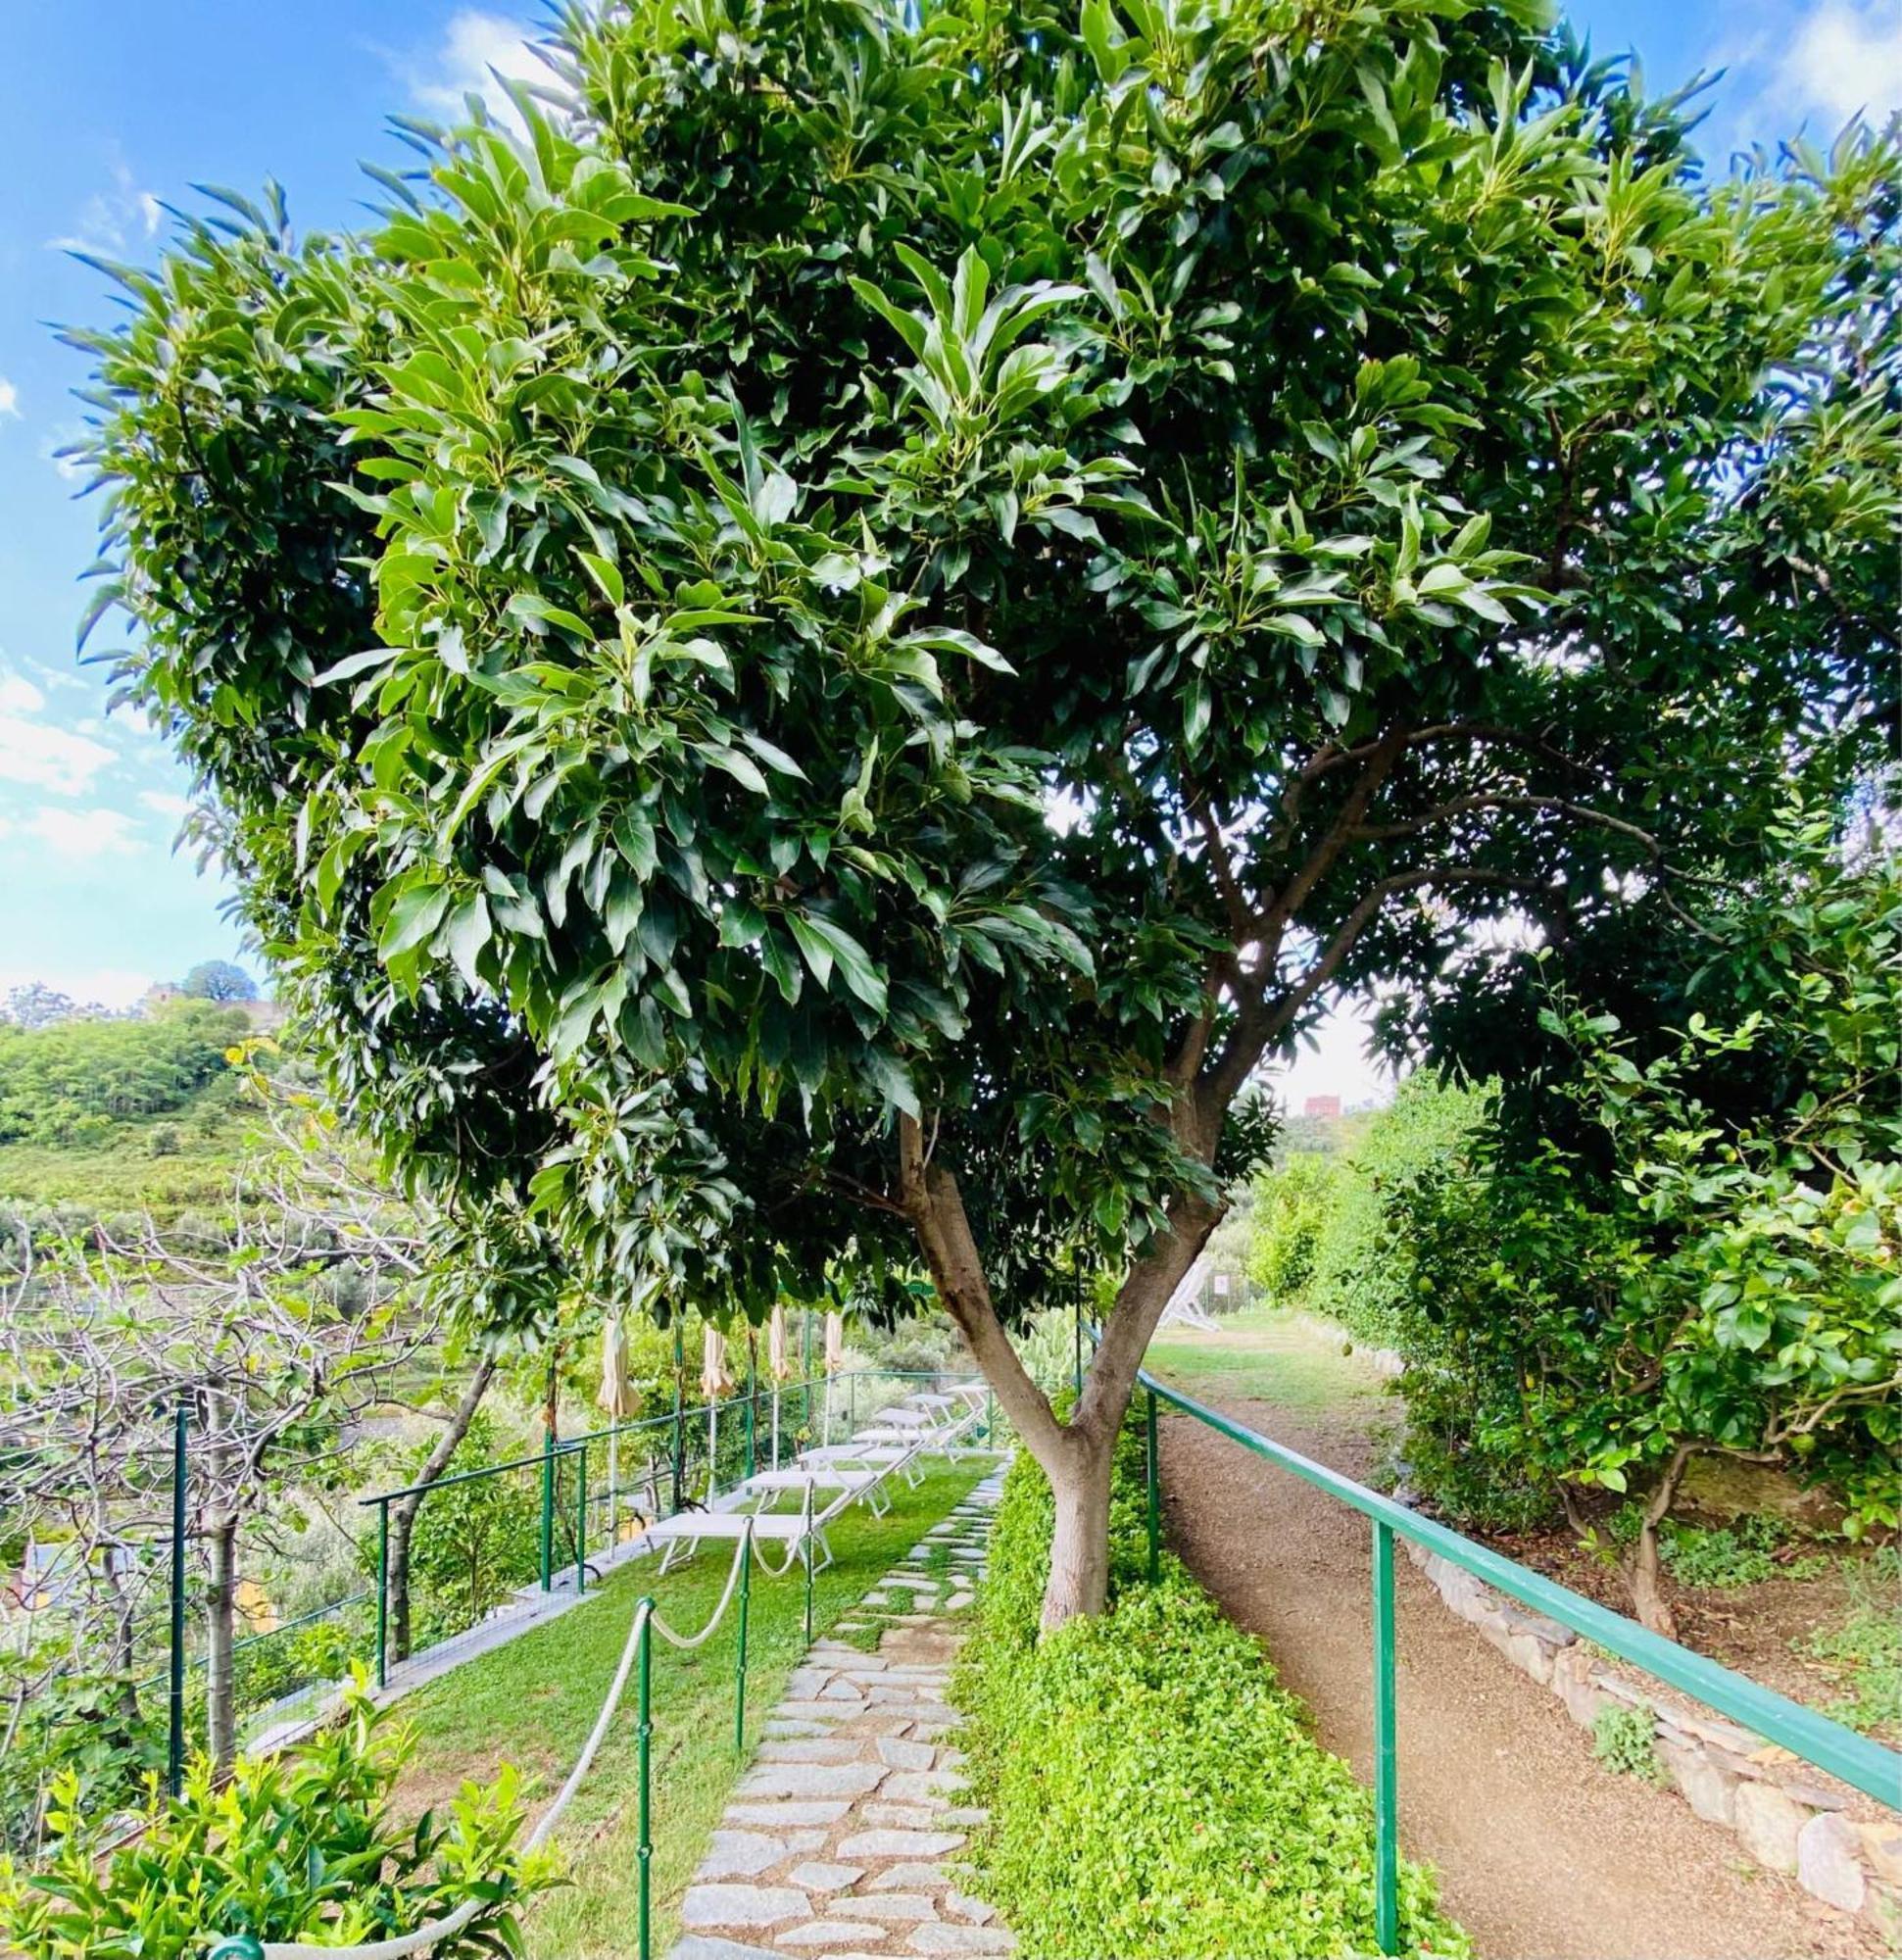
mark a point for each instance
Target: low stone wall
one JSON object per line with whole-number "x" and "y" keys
{"x": 1786, "y": 1814}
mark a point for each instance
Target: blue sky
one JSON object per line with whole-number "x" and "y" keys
{"x": 108, "y": 110}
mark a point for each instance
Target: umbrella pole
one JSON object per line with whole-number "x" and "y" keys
{"x": 712, "y": 1451}
{"x": 775, "y": 1425}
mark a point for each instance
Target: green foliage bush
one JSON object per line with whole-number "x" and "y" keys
{"x": 301, "y": 1845}
{"x": 1625, "y": 1740}
{"x": 1696, "y": 1255}
{"x": 1293, "y": 1204}
{"x": 1151, "y": 1787}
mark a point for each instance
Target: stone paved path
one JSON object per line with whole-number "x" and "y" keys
{"x": 841, "y": 1841}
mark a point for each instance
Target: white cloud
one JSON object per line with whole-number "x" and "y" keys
{"x": 176, "y": 807}
{"x": 112, "y": 220}
{"x": 8, "y": 399}
{"x": 1846, "y": 57}
{"x": 18, "y": 696}
{"x": 476, "y": 48}
{"x": 78, "y": 833}
{"x": 42, "y": 757}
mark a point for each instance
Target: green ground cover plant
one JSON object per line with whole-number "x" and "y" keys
{"x": 532, "y": 1702}
{"x": 1625, "y": 1740}
{"x": 1152, "y": 1789}
{"x": 1864, "y": 1650}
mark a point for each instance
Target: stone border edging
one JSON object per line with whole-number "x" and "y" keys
{"x": 1786, "y": 1815}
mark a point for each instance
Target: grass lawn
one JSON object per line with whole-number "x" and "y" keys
{"x": 1270, "y": 1355}
{"x": 532, "y": 1704}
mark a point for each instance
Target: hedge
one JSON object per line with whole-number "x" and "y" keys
{"x": 1151, "y": 1787}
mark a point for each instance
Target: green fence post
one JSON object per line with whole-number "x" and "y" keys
{"x": 1387, "y": 1831}
{"x": 1155, "y": 1495}
{"x": 383, "y": 1592}
{"x": 806, "y": 1368}
{"x": 1076, "y": 1339}
{"x": 581, "y": 1521}
{"x": 175, "y": 1691}
{"x": 644, "y": 1738}
{"x": 752, "y": 1400}
{"x": 548, "y": 1508}
{"x": 739, "y": 1667}
{"x": 852, "y": 1403}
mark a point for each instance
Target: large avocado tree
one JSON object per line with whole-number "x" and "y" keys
{"x": 821, "y": 645}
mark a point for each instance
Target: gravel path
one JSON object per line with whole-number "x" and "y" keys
{"x": 1542, "y": 1853}
{"x": 841, "y": 1840}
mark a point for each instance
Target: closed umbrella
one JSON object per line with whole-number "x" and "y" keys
{"x": 835, "y": 1360}
{"x": 779, "y": 1359}
{"x": 715, "y": 1381}
{"x": 616, "y": 1397}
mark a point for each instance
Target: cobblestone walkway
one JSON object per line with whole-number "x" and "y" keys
{"x": 841, "y": 1841}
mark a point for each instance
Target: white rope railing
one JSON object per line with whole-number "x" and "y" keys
{"x": 248, "y": 1948}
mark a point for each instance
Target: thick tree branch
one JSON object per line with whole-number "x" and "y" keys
{"x": 932, "y": 1201}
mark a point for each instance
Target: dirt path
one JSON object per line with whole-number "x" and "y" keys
{"x": 1542, "y": 1853}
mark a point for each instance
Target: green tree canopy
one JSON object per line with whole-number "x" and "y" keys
{"x": 817, "y": 656}
{"x": 218, "y": 980}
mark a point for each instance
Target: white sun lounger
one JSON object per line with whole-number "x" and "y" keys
{"x": 898, "y": 1452}
{"x": 855, "y": 1476}
{"x": 686, "y": 1531}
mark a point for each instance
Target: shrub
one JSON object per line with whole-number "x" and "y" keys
{"x": 1625, "y": 1740}
{"x": 1152, "y": 1790}
{"x": 299, "y": 1846}
{"x": 1292, "y": 1204}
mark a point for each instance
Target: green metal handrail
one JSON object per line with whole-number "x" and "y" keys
{"x": 1828, "y": 1745}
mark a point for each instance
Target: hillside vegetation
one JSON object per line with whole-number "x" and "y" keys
{"x": 102, "y": 1117}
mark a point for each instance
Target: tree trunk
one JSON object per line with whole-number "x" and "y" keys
{"x": 221, "y": 1618}
{"x": 124, "y": 1642}
{"x": 403, "y": 1513}
{"x": 1643, "y": 1570}
{"x": 1079, "y": 1581}
{"x": 1075, "y": 1455}
{"x": 1643, "y": 1573}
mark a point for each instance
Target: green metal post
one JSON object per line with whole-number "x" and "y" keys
{"x": 1387, "y": 1827}
{"x": 1076, "y": 1341}
{"x": 580, "y": 1521}
{"x": 548, "y": 1508}
{"x": 644, "y": 1738}
{"x": 740, "y": 1667}
{"x": 175, "y": 1699}
{"x": 852, "y": 1403}
{"x": 383, "y": 1592}
{"x": 1155, "y": 1495}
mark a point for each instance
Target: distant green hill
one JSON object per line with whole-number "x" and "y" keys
{"x": 100, "y": 1119}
